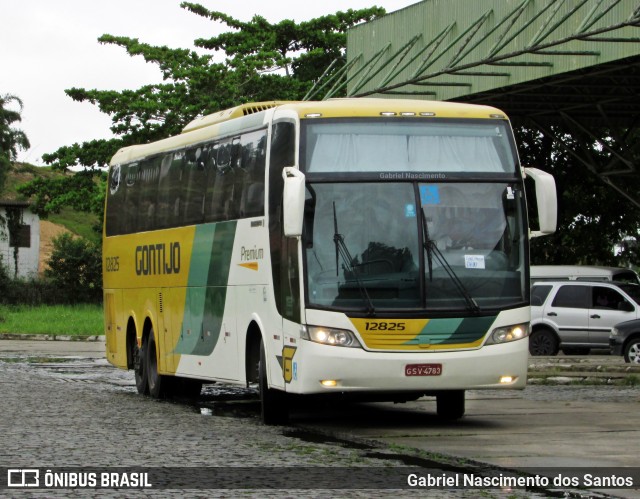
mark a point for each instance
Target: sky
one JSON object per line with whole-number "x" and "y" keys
{"x": 48, "y": 46}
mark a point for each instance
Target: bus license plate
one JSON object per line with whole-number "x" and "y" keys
{"x": 423, "y": 370}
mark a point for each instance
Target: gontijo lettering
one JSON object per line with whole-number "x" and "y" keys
{"x": 156, "y": 259}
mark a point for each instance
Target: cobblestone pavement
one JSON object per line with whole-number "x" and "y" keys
{"x": 81, "y": 412}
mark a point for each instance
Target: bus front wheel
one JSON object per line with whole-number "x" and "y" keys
{"x": 450, "y": 405}
{"x": 273, "y": 403}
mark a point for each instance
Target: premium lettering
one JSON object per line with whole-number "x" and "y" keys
{"x": 247, "y": 254}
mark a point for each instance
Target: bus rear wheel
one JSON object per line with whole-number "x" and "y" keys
{"x": 139, "y": 367}
{"x": 154, "y": 380}
{"x": 450, "y": 405}
{"x": 273, "y": 403}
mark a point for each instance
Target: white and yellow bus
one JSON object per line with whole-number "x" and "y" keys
{"x": 366, "y": 247}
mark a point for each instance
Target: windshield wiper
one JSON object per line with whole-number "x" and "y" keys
{"x": 432, "y": 250}
{"x": 343, "y": 251}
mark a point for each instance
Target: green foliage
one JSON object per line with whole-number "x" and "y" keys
{"x": 92, "y": 155}
{"x": 302, "y": 50}
{"x": 11, "y": 139}
{"x": 82, "y": 191}
{"x": 66, "y": 320}
{"x": 82, "y": 224}
{"x": 75, "y": 268}
{"x": 29, "y": 292}
{"x": 264, "y": 62}
{"x": 592, "y": 217}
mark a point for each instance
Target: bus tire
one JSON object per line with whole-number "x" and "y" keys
{"x": 154, "y": 380}
{"x": 543, "y": 342}
{"x": 139, "y": 366}
{"x": 273, "y": 403}
{"x": 450, "y": 405}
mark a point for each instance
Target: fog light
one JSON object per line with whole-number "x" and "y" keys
{"x": 329, "y": 382}
{"x": 506, "y": 380}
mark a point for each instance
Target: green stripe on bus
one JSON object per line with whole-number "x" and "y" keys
{"x": 207, "y": 288}
{"x": 453, "y": 331}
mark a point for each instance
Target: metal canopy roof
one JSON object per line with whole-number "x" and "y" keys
{"x": 563, "y": 66}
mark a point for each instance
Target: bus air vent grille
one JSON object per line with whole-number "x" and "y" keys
{"x": 257, "y": 108}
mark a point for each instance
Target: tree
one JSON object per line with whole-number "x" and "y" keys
{"x": 11, "y": 139}
{"x": 75, "y": 269}
{"x": 592, "y": 218}
{"x": 264, "y": 61}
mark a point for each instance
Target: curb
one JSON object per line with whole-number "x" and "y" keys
{"x": 50, "y": 337}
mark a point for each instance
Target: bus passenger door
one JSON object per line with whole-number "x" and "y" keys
{"x": 290, "y": 309}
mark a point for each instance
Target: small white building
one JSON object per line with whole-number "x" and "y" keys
{"x": 26, "y": 240}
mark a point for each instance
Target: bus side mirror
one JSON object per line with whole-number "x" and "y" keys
{"x": 546, "y": 200}
{"x": 293, "y": 201}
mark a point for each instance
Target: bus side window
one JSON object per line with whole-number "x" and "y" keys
{"x": 115, "y": 202}
{"x": 165, "y": 206}
{"x": 252, "y": 163}
{"x": 129, "y": 222}
{"x": 217, "y": 181}
{"x": 194, "y": 185}
{"x": 148, "y": 187}
{"x": 221, "y": 186}
{"x": 211, "y": 168}
{"x": 177, "y": 188}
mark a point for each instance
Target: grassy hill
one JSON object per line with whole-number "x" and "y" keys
{"x": 79, "y": 223}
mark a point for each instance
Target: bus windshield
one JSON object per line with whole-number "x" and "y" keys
{"x": 373, "y": 246}
{"x": 408, "y": 145}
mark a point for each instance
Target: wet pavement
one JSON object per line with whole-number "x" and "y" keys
{"x": 64, "y": 405}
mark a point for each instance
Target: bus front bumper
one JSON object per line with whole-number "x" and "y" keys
{"x": 321, "y": 368}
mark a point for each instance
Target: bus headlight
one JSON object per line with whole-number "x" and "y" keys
{"x": 508, "y": 333}
{"x": 330, "y": 336}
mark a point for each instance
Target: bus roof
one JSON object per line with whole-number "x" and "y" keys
{"x": 375, "y": 107}
{"x": 352, "y": 107}
{"x": 333, "y": 108}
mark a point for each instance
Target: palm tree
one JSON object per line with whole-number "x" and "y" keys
{"x": 11, "y": 139}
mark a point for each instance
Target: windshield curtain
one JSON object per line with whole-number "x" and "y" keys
{"x": 408, "y": 145}
{"x": 414, "y": 246}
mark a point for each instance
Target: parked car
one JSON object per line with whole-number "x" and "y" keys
{"x": 625, "y": 340}
{"x": 582, "y": 273}
{"x": 576, "y": 316}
